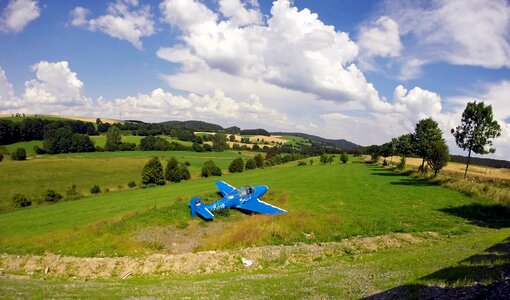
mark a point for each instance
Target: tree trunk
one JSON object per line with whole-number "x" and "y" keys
{"x": 423, "y": 165}
{"x": 467, "y": 163}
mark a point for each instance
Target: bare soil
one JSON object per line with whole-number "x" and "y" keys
{"x": 206, "y": 262}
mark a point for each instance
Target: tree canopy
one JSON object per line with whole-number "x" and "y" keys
{"x": 477, "y": 129}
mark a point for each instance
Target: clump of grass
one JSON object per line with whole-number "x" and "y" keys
{"x": 95, "y": 189}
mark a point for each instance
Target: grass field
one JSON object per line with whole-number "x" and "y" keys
{"x": 325, "y": 203}
{"x": 107, "y": 169}
{"x": 389, "y": 273}
{"x": 100, "y": 140}
{"x": 340, "y": 201}
{"x": 28, "y": 146}
{"x": 21, "y": 118}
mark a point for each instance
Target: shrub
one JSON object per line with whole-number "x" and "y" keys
{"x": 250, "y": 164}
{"x": 401, "y": 166}
{"x": 19, "y": 154}
{"x": 19, "y": 200}
{"x": 301, "y": 163}
{"x": 344, "y": 158}
{"x": 1, "y": 157}
{"x": 185, "y": 174}
{"x": 131, "y": 184}
{"x": 39, "y": 150}
{"x": 237, "y": 165}
{"x": 210, "y": 169}
{"x": 95, "y": 189}
{"x": 52, "y": 196}
{"x": 71, "y": 191}
{"x": 259, "y": 160}
{"x": 152, "y": 172}
{"x": 187, "y": 163}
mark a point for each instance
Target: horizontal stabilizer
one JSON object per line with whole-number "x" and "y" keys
{"x": 198, "y": 207}
{"x": 261, "y": 207}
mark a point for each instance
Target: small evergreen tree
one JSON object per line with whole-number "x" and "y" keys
{"x": 113, "y": 139}
{"x": 237, "y": 165}
{"x": 185, "y": 174}
{"x": 259, "y": 160}
{"x": 152, "y": 172}
{"x": 173, "y": 172}
{"x": 210, "y": 169}
{"x": 344, "y": 158}
{"x": 250, "y": 164}
{"x": 19, "y": 154}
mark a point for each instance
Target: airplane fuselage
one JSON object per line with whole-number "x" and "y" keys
{"x": 237, "y": 197}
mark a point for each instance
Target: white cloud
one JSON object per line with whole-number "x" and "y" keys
{"x": 381, "y": 38}
{"x": 18, "y": 14}
{"x": 7, "y": 98}
{"x": 55, "y": 84}
{"x": 125, "y": 20}
{"x": 239, "y": 13}
{"x": 294, "y": 50}
{"x": 186, "y": 14}
{"x": 461, "y": 32}
{"x": 79, "y": 15}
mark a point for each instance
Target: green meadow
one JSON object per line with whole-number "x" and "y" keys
{"x": 109, "y": 170}
{"x": 325, "y": 203}
{"x": 328, "y": 202}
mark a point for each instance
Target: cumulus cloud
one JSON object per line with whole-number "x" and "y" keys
{"x": 55, "y": 84}
{"x": 18, "y": 14}
{"x": 381, "y": 38}
{"x": 125, "y": 20}
{"x": 79, "y": 15}
{"x": 465, "y": 32}
{"x": 240, "y": 13}
{"x": 294, "y": 49}
{"x": 7, "y": 98}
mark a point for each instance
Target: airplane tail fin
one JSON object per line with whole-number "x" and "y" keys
{"x": 198, "y": 207}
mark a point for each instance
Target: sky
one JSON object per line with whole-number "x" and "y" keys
{"x": 361, "y": 70}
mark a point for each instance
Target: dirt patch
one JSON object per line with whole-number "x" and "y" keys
{"x": 176, "y": 240}
{"x": 201, "y": 262}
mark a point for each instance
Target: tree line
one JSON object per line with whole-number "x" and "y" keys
{"x": 475, "y": 134}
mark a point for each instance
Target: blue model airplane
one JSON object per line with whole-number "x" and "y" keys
{"x": 245, "y": 198}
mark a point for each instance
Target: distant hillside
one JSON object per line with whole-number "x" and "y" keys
{"x": 194, "y": 125}
{"x": 340, "y": 143}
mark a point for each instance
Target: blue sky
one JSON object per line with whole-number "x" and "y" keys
{"x": 365, "y": 71}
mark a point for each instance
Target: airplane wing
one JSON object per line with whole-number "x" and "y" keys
{"x": 261, "y": 207}
{"x": 224, "y": 187}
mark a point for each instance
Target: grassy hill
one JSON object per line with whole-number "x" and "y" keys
{"x": 340, "y": 143}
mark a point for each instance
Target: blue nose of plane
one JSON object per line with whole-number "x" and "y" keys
{"x": 260, "y": 190}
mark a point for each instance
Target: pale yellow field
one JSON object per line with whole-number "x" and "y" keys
{"x": 253, "y": 138}
{"x": 460, "y": 168}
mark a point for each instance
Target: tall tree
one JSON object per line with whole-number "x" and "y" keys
{"x": 426, "y": 132}
{"x": 476, "y": 130}
{"x": 113, "y": 139}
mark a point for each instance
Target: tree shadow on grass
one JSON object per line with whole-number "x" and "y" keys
{"x": 414, "y": 182}
{"x": 492, "y": 216}
{"x": 491, "y": 266}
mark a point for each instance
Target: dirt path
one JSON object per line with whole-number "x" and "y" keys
{"x": 200, "y": 262}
